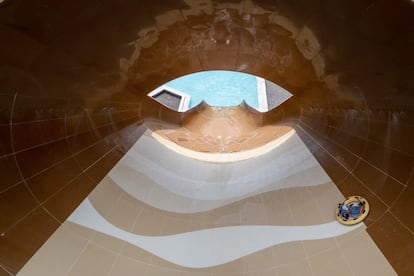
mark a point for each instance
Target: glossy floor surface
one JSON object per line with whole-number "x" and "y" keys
{"x": 158, "y": 212}
{"x": 74, "y": 76}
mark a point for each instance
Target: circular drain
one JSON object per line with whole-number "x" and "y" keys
{"x": 353, "y": 210}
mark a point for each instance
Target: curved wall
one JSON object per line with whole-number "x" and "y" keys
{"x": 74, "y": 76}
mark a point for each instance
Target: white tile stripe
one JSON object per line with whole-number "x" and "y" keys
{"x": 209, "y": 247}
{"x": 261, "y": 94}
{"x": 184, "y": 185}
{"x": 135, "y": 184}
{"x": 212, "y": 181}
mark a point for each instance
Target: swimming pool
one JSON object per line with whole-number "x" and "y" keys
{"x": 219, "y": 88}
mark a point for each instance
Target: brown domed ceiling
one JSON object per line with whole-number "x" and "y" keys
{"x": 74, "y": 76}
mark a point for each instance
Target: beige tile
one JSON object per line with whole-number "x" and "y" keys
{"x": 329, "y": 262}
{"x": 236, "y": 266}
{"x": 364, "y": 257}
{"x": 263, "y": 272}
{"x": 195, "y": 273}
{"x": 150, "y": 222}
{"x": 300, "y": 268}
{"x": 105, "y": 195}
{"x": 277, "y": 209}
{"x": 287, "y": 253}
{"x": 94, "y": 261}
{"x": 108, "y": 242}
{"x": 144, "y": 183}
{"x": 350, "y": 237}
{"x": 305, "y": 213}
{"x": 174, "y": 225}
{"x": 196, "y": 225}
{"x": 128, "y": 267}
{"x": 161, "y": 271}
{"x": 124, "y": 212}
{"x": 57, "y": 255}
{"x": 330, "y": 196}
{"x": 180, "y": 202}
{"x": 259, "y": 260}
{"x": 227, "y": 215}
{"x": 160, "y": 194}
{"x": 253, "y": 211}
{"x": 157, "y": 261}
{"x": 228, "y": 273}
{"x": 208, "y": 217}
{"x": 79, "y": 230}
{"x": 313, "y": 247}
{"x": 136, "y": 253}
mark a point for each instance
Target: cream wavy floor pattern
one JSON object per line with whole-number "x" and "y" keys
{"x": 188, "y": 185}
{"x": 270, "y": 208}
{"x": 210, "y": 247}
{"x": 174, "y": 186}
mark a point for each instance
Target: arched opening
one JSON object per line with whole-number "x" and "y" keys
{"x": 220, "y": 88}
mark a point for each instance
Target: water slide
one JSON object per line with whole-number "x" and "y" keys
{"x": 77, "y": 129}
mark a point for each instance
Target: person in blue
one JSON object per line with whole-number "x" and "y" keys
{"x": 344, "y": 211}
{"x": 352, "y": 210}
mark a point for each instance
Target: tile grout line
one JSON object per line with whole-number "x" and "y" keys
{"x": 388, "y": 207}
{"x": 79, "y": 175}
{"x": 347, "y": 262}
{"x": 21, "y": 174}
{"x": 56, "y": 140}
{"x": 301, "y": 241}
{"x": 11, "y": 187}
{"x": 78, "y": 258}
{"x": 359, "y": 158}
{"x": 349, "y": 172}
{"x": 118, "y": 254}
{"x": 6, "y": 270}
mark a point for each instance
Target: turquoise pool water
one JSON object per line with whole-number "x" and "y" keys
{"x": 218, "y": 88}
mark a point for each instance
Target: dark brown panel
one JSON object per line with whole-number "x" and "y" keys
{"x": 4, "y": 272}
{"x": 6, "y": 102}
{"x": 382, "y": 185}
{"x": 81, "y": 141}
{"x": 77, "y": 124}
{"x": 15, "y": 203}
{"x": 92, "y": 154}
{"x": 393, "y": 163}
{"x": 352, "y": 121}
{"x": 62, "y": 204}
{"x": 396, "y": 242}
{"x": 404, "y": 206}
{"x": 5, "y": 143}
{"x": 40, "y": 132}
{"x": 335, "y": 150}
{"x": 128, "y": 136}
{"x": 9, "y": 173}
{"x": 21, "y": 242}
{"x": 53, "y": 179}
{"x": 123, "y": 115}
{"x": 100, "y": 117}
{"x": 104, "y": 165}
{"x": 34, "y": 160}
{"x": 35, "y": 108}
{"x": 336, "y": 171}
{"x": 127, "y": 122}
{"x": 348, "y": 140}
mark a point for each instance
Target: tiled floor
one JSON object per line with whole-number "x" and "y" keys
{"x": 74, "y": 76}
{"x": 159, "y": 212}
